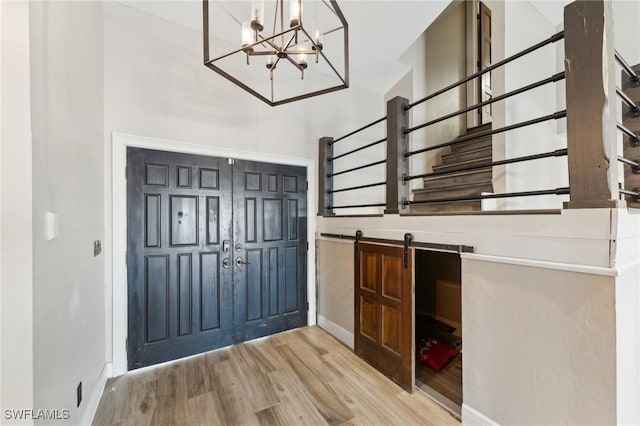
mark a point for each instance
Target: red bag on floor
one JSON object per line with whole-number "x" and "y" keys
{"x": 435, "y": 354}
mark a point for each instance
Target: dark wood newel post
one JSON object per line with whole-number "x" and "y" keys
{"x": 397, "y": 163}
{"x": 591, "y": 104}
{"x": 325, "y": 182}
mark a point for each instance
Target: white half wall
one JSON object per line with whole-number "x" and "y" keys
{"x": 16, "y": 258}
{"x": 539, "y": 344}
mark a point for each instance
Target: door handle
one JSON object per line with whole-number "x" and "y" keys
{"x": 241, "y": 262}
{"x": 226, "y": 263}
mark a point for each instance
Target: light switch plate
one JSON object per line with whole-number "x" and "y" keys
{"x": 97, "y": 248}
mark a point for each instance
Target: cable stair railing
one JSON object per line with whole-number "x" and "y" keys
{"x": 463, "y": 179}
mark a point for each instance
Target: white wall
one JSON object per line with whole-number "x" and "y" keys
{"x": 68, "y": 179}
{"x": 525, "y": 26}
{"x": 437, "y": 59}
{"x": 16, "y": 281}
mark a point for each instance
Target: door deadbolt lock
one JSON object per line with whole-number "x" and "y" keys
{"x": 241, "y": 262}
{"x": 238, "y": 247}
{"x": 226, "y": 263}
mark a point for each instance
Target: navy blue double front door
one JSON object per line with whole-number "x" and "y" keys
{"x": 216, "y": 253}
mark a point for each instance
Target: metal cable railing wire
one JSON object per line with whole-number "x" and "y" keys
{"x": 635, "y": 165}
{"x": 479, "y": 135}
{"x": 364, "y": 166}
{"x": 556, "y": 37}
{"x": 357, "y": 206}
{"x": 625, "y": 66}
{"x": 557, "y": 77}
{"x": 351, "y": 188}
{"x": 335, "y": 157}
{"x": 634, "y": 107}
{"x": 358, "y": 130}
{"x": 634, "y": 137}
{"x": 556, "y": 191}
{"x": 635, "y": 193}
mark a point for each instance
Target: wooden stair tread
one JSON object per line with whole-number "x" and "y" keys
{"x": 472, "y": 144}
{"x": 452, "y": 187}
{"x": 463, "y": 164}
{"x": 455, "y": 157}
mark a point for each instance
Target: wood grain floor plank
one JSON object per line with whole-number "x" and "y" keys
{"x": 205, "y": 410}
{"x": 295, "y": 402}
{"x": 173, "y": 408}
{"x": 325, "y": 401}
{"x": 355, "y": 368}
{"x": 430, "y": 412}
{"x": 260, "y": 393}
{"x": 277, "y": 380}
{"x": 236, "y": 409}
{"x": 272, "y": 416}
{"x": 312, "y": 357}
{"x": 197, "y": 376}
{"x": 142, "y": 403}
{"x": 366, "y": 407}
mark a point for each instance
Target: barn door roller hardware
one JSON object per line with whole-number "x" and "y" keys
{"x": 357, "y": 244}
{"x": 407, "y": 243}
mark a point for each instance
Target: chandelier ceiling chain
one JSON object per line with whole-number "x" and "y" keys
{"x": 288, "y": 42}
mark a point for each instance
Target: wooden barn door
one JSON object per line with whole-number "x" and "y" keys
{"x": 384, "y": 310}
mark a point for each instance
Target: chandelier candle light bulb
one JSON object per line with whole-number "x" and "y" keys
{"x": 295, "y": 13}
{"x": 257, "y": 15}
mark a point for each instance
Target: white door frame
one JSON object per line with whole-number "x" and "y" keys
{"x": 120, "y": 142}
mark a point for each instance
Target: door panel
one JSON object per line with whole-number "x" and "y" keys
{"x": 179, "y": 213}
{"x": 384, "y": 311}
{"x": 216, "y": 253}
{"x": 270, "y": 249}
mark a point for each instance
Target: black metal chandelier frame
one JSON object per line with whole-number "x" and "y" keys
{"x": 282, "y": 52}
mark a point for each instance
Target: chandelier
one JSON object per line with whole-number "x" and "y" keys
{"x": 267, "y": 48}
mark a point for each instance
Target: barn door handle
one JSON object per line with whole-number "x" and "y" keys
{"x": 226, "y": 263}
{"x": 241, "y": 262}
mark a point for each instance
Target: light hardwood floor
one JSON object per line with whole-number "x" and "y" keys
{"x": 300, "y": 377}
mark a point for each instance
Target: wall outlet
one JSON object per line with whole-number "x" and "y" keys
{"x": 79, "y": 393}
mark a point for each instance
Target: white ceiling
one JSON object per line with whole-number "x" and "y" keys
{"x": 380, "y": 31}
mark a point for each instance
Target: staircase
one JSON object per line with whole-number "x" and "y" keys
{"x": 472, "y": 153}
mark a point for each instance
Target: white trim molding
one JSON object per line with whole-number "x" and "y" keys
{"x": 342, "y": 334}
{"x": 120, "y": 143}
{"x": 570, "y": 267}
{"x": 96, "y": 395}
{"x": 471, "y": 417}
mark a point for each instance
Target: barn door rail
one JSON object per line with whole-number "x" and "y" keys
{"x": 451, "y": 248}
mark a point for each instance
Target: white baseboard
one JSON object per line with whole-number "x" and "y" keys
{"x": 471, "y": 417}
{"x": 344, "y": 335}
{"x": 96, "y": 395}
